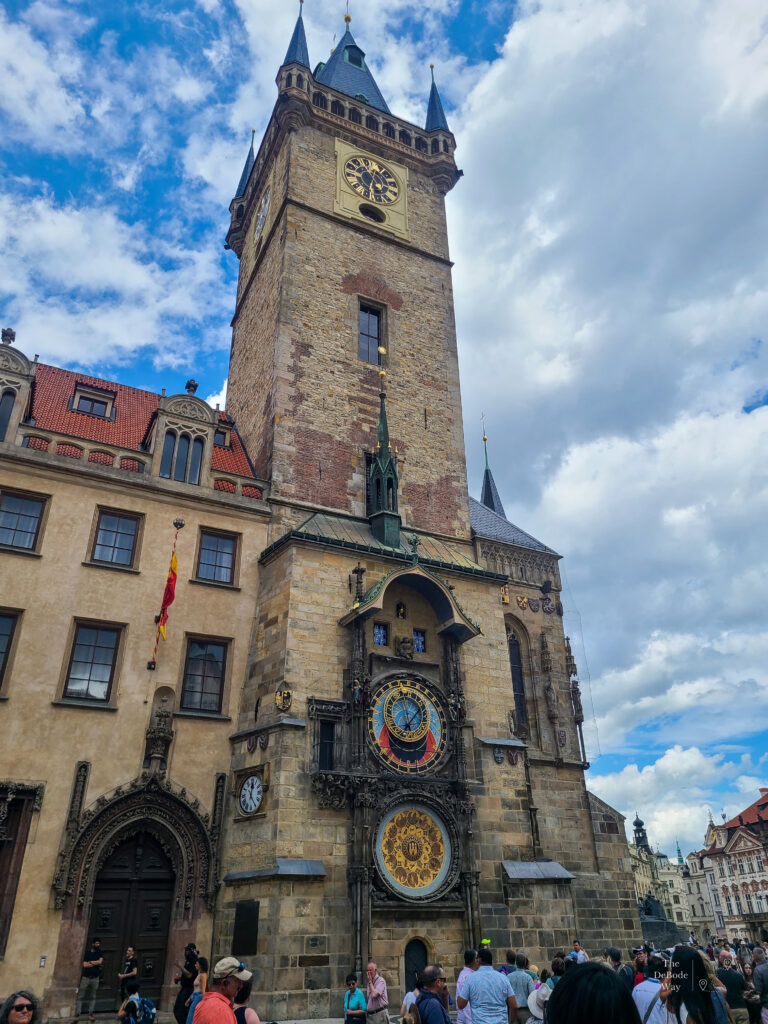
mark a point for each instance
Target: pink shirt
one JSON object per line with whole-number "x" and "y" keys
{"x": 377, "y": 994}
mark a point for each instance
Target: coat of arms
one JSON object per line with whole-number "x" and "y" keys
{"x": 283, "y": 699}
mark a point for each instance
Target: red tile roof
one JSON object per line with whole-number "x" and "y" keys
{"x": 134, "y": 410}
{"x": 750, "y": 815}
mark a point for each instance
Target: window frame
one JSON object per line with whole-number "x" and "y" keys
{"x": 202, "y": 638}
{"x": 364, "y": 305}
{"x": 212, "y": 531}
{"x": 92, "y": 394}
{"x": 76, "y": 698}
{"x": 102, "y": 510}
{"x": 44, "y": 500}
{"x": 6, "y": 660}
{"x": 5, "y": 392}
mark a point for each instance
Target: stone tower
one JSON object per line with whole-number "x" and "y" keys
{"x": 407, "y": 768}
{"x": 340, "y": 228}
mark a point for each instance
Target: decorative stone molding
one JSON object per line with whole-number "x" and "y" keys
{"x": 14, "y": 361}
{"x": 522, "y": 566}
{"x": 10, "y": 791}
{"x": 150, "y": 803}
{"x": 190, "y": 407}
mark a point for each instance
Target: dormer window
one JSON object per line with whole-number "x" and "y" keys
{"x": 354, "y": 55}
{"x": 221, "y": 438}
{"x": 93, "y": 402}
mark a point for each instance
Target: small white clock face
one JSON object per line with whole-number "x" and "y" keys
{"x": 261, "y": 213}
{"x": 251, "y": 794}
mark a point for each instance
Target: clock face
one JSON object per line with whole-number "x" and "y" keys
{"x": 407, "y": 726}
{"x": 261, "y": 213}
{"x": 413, "y": 851}
{"x": 371, "y": 180}
{"x": 251, "y": 794}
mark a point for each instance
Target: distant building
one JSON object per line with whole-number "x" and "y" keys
{"x": 655, "y": 875}
{"x": 735, "y": 864}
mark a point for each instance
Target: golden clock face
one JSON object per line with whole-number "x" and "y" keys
{"x": 371, "y": 180}
{"x": 407, "y": 726}
{"x": 413, "y": 851}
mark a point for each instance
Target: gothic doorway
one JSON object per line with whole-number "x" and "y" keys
{"x": 414, "y": 962}
{"x": 132, "y": 903}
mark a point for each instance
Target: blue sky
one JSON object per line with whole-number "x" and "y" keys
{"x": 609, "y": 238}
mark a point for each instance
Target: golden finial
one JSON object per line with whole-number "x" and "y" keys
{"x": 347, "y": 16}
{"x": 382, "y": 374}
{"x": 382, "y": 350}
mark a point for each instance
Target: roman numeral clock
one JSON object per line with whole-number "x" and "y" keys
{"x": 371, "y": 190}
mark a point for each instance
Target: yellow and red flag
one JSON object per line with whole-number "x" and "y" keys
{"x": 168, "y": 595}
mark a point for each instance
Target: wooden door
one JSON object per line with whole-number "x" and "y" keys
{"x": 415, "y": 958}
{"x": 132, "y": 906}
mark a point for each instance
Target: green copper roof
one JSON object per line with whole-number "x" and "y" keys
{"x": 249, "y": 162}
{"x": 436, "y": 119}
{"x": 297, "y": 48}
{"x": 347, "y": 72}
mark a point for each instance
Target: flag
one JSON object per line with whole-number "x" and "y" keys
{"x": 169, "y": 595}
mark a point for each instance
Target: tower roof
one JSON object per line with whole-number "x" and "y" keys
{"x": 249, "y": 162}
{"x": 490, "y": 495}
{"x": 297, "y": 48}
{"x": 436, "y": 119}
{"x": 347, "y": 72}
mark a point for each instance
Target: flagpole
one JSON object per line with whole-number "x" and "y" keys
{"x": 179, "y": 524}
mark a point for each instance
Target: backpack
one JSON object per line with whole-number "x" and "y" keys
{"x": 147, "y": 1011}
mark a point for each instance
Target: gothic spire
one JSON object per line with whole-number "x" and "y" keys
{"x": 383, "y": 483}
{"x": 249, "y": 162}
{"x": 297, "y": 48}
{"x": 490, "y": 495}
{"x": 347, "y": 71}
{"x": 436, "y": 119}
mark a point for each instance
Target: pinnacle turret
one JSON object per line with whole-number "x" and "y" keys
{"x": 490, "y": 495}
{"x": 249, "y": 162}
{"x": 298, "y": 53}
{"x": 436, "y": 119}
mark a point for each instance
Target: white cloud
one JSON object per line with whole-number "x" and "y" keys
{"x": 219, "y": 398}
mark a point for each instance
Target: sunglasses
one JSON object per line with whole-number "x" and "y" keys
{"x": 23, "y": 1008}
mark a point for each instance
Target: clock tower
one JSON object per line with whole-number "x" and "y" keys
{"x": 408, "y": 703}
{"x": 339, "y": 225}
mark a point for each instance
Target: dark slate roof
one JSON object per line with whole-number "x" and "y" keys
{"x": 297, "y": 48}
{"x": 249, "y": 162}
{"x": 490, "y": 496}
{"x": 535, "y": 871}
{"x": 345, "y": 77}
{"x": 436, "y": 120}
{"x": 492, "y": 526}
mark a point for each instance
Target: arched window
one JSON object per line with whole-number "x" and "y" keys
{"x": 169, "y": 447}
{"x": 405, "y": 138}
{"x": 522, "y": 726}
{"x": 182, "y": 455}
{"x": 389, "y": 130}
{"x": 6, "y": 408}
{"x": 435, "y": 145}
{"x": 446, "y": 147}
{"x": 196, "y": 461}
{"x": 421, "y": 144}
{"x": 372, "y": 123}
{"x": 300, "y": 81}
{"x": 240, "y": 212}
{"x": 319, "y": 100}
{"x": 355, "y": 116}
{"x": 338, "y": 108}
{"x": 289, "y": 80}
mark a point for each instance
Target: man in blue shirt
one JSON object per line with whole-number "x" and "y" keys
{"x": 489, "y": 994}
{"x": 430, "y": 1001}
{"x": 521, "y": 981}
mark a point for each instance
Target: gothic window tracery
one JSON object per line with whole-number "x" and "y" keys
{"x": 522, "y": 724}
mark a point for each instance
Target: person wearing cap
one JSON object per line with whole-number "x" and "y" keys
{"x": 224, "y": 983}
{"x": 537, "y": 1000}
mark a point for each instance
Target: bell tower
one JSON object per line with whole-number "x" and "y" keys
{"x": 340, "y": 228}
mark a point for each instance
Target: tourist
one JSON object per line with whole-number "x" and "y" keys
{"x": 471, "y": 963}
{"x": 186, "y": 982}
{"x": 647, "y": 993}
{"x": 537, "y": 1001}
{"x": 624, "y": 971}
{"x": 751, "y": 996}
{"x": 93, "y": 963}
{"x": 593, "y": 994}
{"x": 640, "y": 965}
{"x": 689, "y": 991}
{"x": 760, "y": 979}
{"x": 354, "y": 1002}
{"x": 520, "y": 980}
{"x": 430, "y": 1002}
{"x": 130, "y": 970}
{"x": 578, "y": 954}
{"x": 735, "y": 984}
{"x": 489, "y": 994}
{"x": 199, "y": 987}
{"x": 244, "y": 1014}
{"x": 509, "y": 966}
{"x": 558, "y": 970}
{"x": 22, "y": 1007}
{"x": 412, "y": 996}
{"x": 376, "y": 998}
{"x": 223, "y": 985}
{"x": 543, "y": 978}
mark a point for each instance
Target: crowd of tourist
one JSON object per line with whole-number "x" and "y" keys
{"x": 721, "y": 983}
